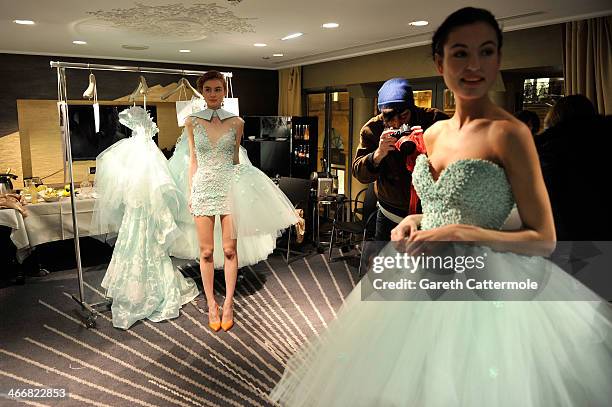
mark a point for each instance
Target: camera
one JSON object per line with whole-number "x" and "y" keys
{"x": 403, "y": 144}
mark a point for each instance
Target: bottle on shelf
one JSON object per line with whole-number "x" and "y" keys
{"x": 306, "y": 132}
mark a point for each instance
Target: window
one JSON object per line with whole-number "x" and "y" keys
{"x": 539, "y": 94}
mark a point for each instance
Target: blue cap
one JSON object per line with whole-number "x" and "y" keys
{"x": 394, "y": 92}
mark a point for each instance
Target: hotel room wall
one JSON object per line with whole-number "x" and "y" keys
{"x": 522, "y": 50}
{"x": 29, "y": 78}
{"x": 534, "y": 47}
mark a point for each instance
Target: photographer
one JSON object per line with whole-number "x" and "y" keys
{"x": 378, "y": 159}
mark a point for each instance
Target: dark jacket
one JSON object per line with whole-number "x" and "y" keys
{"x": 391, "y": 176}
{"x": 575, "y": 161}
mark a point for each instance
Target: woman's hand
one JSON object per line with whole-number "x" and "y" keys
{"x": 447, "y": 233}
{"x": 406, "y": 228}
{"x": 9, "y": 201}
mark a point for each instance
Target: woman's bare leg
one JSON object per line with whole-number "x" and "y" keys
{"x": 205, "y": 226}
{"x": 230, "y": 267}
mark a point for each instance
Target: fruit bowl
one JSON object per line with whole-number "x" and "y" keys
{"x": 51, "y": 198}
{"x": 49, "y": 195}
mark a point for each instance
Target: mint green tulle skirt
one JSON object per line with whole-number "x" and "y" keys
{"x": 461, "y": 353}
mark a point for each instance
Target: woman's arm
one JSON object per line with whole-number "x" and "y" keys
{"x": 516, "y": 150}
{"x": 193, "y": 162}
{"x": 239, "y": 133}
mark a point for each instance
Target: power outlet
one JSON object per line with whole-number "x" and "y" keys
{"x": 92, "y": 170}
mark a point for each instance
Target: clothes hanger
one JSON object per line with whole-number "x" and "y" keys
{"x": 191, "y": 88}
{"x": 142, "y": 89}
{"x": 179, "y": 88}
{"x": 183, "y": 84}
{"x": 92, "y": 92}
{"x": 91, "y": 89}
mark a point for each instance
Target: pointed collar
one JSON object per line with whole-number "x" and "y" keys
{"x": 208, "y": 114}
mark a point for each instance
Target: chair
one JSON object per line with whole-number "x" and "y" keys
{"x": 298, "y": 192}
{"x": 360, "y": 220}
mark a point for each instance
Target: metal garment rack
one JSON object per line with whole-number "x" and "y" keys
{"x": 89, "y": 311}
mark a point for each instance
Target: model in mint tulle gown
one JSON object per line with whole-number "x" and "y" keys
{"x": 259, "y": 209}
{"x": 145, "y": 198}
{"x": 138, "y": 197}
{"x": 461, "y": 353}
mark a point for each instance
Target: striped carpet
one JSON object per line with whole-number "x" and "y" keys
{"x": 174, "y": 363}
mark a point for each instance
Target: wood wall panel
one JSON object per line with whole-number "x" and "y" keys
{"x": 39, "y": 143}
{"x": 10, "y": 155}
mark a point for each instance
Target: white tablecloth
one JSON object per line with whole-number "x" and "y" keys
{"x": 13, "y": 219}
{"x": 47, "y": 222}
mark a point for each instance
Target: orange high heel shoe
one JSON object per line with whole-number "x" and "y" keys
{"x": 215, "y": 326}
{"x": 227, "y": 325}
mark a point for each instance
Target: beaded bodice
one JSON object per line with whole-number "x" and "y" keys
{"x": 468, "y": 191}
{"x": 211, "y": 181}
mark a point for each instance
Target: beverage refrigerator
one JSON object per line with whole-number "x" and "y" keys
{"x": 282, "y": 145}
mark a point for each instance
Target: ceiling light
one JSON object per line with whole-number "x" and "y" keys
{"x": 24, "y": 22}
{"x": 278, "y": 55}
{"x": 260, "y": 44}
{"x": 330, "y": 25}
{"x": 292, "y": 36}
{"x": 184, "y": 50}
{"x": 79, "y": 42}
{"x": 419, "y": 23}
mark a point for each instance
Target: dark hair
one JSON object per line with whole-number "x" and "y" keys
{"x": 208, "y": 76}
{"x": 461, "y": 17}
{"x": 570, "y": 108}
{"x": 530, "y": 118}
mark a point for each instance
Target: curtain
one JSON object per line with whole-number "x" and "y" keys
{"x": 587, "y": 60}
{"x": 290, "y": 91}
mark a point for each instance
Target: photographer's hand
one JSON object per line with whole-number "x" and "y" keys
{"x": 385, "y": 144}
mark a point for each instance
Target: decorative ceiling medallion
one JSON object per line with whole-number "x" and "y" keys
{"x": 178, "y": 20}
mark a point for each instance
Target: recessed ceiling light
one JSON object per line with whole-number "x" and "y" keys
{"x": 260, "y": 44}
{"x": 278, "y": 55}
{"x": 79, "y": 42}
{"x": 184, "y": 50}
{"x": 265, "y": 57}
{"x": 292, "y": 36}
{"x": 330, "y": 25}
{"x": 24, "y": 22}
{"x": 419, "y": 23}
